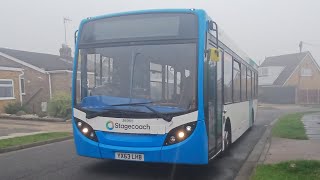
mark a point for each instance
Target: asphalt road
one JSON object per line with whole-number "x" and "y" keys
{"x": 59, "y": 161}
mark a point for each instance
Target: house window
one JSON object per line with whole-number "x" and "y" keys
{"x": 23, "y": 92}
{"x": 306, "y": 72}
{"x": 6, "y": 89}
{"x": 263, "y": 71}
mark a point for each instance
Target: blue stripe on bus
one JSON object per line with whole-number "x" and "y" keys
{"x": 202, "y": 30}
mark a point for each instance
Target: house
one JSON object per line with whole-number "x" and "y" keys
{"x": 40, "y": 75}
{"x": 290, "y": 79}
{"x": 11, "y": 86}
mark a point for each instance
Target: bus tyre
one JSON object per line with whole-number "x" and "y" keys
{"x": 252, "y": 115}
{"x": 227, "y": 137}
{"x": 252, "y": 119}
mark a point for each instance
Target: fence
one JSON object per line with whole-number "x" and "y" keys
{"x": 277, "y": 95}
{"x": 308, "y": 96}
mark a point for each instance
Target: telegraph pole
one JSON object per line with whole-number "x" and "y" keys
{"x": 307, "y": 43}
{"x": 300, "y": 46}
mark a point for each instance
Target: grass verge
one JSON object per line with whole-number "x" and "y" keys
{"x": 29, "y": 139}
{"x": 293, "y": 170}
{"x": 290, "y": 126}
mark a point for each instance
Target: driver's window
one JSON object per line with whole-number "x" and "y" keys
{"x": 169, "y": 81}
{"x": 155, "y": 81}
{"x": 140, "y": 86}
{"x": 103, "y": 69}
{"x": 107, "y": 66}
{"x": 166, "y": 82}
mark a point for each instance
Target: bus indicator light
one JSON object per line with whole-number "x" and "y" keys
{"x": 92, "y": 134}
{"x": 79, "y": 124}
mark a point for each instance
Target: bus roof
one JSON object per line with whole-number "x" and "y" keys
{"x": 223, "y": 38}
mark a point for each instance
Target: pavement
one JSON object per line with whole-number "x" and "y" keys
{"x": 13, "y": 128}
{"x": 290, "y": 149}
{"x": 272, "y": 150}
{"x": 312, "y": 125}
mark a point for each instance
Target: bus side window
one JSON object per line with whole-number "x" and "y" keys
{"x": 227, "y": 78}
{"x": 236, "y": 82}
{"x": 255, "y": 85}
{"x": 249, "y": 84}
{"x": 244, "y": 88}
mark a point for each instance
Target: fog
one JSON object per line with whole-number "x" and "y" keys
{"x": 260, "y": 28}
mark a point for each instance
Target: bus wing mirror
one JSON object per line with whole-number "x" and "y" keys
{"x": 75, "y": 36}
{"x": 214, "y": 54}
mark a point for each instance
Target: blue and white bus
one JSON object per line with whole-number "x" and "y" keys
{"x": 159, "y": 86}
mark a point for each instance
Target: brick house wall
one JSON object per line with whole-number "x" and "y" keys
{"x": 305, "y": 82}
{"x": 36, "y": 85}
{"x": 61, "y": 82}
{"x": 307, "y": 87}
{"x": 13, "y": 75}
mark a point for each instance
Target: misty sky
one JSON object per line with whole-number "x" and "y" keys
{"x": 260, "y": 27}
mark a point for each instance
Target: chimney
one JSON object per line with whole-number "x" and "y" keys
{"x": 65, "y": 52}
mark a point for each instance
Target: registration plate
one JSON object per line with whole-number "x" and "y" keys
{"x": 129, "y": 156}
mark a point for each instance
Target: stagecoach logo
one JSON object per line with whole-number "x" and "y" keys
{"x": 110, "y": 125}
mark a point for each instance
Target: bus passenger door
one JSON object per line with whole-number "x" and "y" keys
{"x": 214, "y": 104}
{"x": 211, "y": 111}
{"x": 219, "y": 102}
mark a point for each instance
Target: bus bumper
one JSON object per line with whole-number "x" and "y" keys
{"x": 193, "y": 150}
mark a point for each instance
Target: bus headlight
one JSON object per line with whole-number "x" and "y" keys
{"x": 86, "y": 129}
{"x": 180, "y": 133}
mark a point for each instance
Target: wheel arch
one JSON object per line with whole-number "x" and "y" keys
{"x": 227, "y": 123}
{"x": 228, "y": 126}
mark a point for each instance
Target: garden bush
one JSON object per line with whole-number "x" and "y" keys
{"x": 13, "y": 108}
{"x": 60, "y": 106}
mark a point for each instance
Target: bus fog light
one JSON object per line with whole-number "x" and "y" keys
{"x": 181, "y": 134}
{"x": 85, "y": 130}
{"x": 172, "y": 139}
{"x": 188, "y": 128}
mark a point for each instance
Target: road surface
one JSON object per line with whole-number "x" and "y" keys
{"x": 59, "y": 161}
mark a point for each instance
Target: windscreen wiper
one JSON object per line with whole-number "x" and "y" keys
{"x": 165, "y": 117}
{"x": 92, "y": 114}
